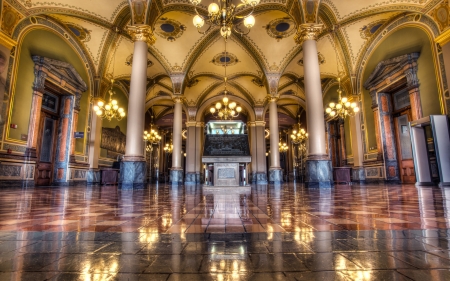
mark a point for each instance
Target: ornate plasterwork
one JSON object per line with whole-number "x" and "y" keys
{"x": 129, "y": 61}
{"x": 141, "y": 33}
{"x": 308, "y": 32}
{"x": 83, "y": 34}
{"x": 280, "y": 28}
{"x": 225, "y": 58}
{"x": 369, "y": 29}
{"x": 320, "y": 57}
{"x": 10, "y": 17}
{"x": 441, "y": 15}
{"x": 169, "y": 29}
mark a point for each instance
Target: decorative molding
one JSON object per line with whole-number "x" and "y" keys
{"x": 7, "y": 41}
{"x": 307, "y": 31}
{"x": 141, "y": 33}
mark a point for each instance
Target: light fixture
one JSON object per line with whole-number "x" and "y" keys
{"x": 224, "y": 15}
{"x": 227, "y": 130}
{"x": 225, "y": 110}
{"x": 168, "y": 148}
{"x": 343, "y": 107}
{"x": 111, "y": 109}
{"x": 282, "y": 147}
{"x": 299, "y": 136}
{"x": 151, "y": 137}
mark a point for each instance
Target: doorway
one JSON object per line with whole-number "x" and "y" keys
{"x": 46, "y": 147}
{"x": 403, "y": 145}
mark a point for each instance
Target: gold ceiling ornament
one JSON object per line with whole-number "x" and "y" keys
{"x": 307, "y": 31}
{"x": 300, "y": 136}
{"x": 141, "y": 32}
{"x": 343, "y": 107}
{"x": 224, "y": 15}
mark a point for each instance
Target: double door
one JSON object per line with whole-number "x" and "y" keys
{"x": 46, "y": 149}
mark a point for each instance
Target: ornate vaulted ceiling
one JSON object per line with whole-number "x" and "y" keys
{"x": 269, "y": 48}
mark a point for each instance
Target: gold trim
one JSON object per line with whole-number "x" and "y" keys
{"x": 307, "y": 31}
{"x": 7, "y": 41}
{"x": 444, "y": 38}
{"x": 141, "y": 32}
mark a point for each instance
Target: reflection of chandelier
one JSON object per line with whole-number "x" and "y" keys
{"x": 111, "y": 109}
{"x": 224, "y": 15}
{"x": 151, "y": 137}
{"x": 168, "y": 148}
{"x": 343, "y": 108}
{"x": 227, "y": 130}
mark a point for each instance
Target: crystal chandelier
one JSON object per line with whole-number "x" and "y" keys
{"x": 111, "y": 109}
{"x": 151, "y": 137}
{"x": 168, "y": 148}
{"x": 300, "y": 136}
{"x": 224, "y": 15}
{"x": 343, "y": 107}
{"x": 282, "y": 147}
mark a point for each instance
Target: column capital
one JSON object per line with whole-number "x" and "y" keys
{"x": 177, "y": 99}
{"x": 141, "y": 32}
{"x": 39, "y": 79}
{"x": 191, "y": 124}
{"x": 273, "y": 99}
{"x": 307, "y": 31}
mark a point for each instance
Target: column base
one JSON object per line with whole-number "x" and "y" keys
{"x": 193, "y": 178}
{"x": 259, "y": 178}
{"x": 358, "y": 175}
{"x": 275, "y": 175}
{"x": 176, "y": 176}
{"x": 132, "y": 174}
{"x": 93, "y": 176}
{"x": 319, "y": 174}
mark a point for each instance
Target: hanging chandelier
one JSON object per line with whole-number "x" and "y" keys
{"x": 111, "y": 109}
{"x": 151, "y": 137}
{"x": 224, "y": 15}
{"x": 225, "y": 110}
{"x": 299, "y": 136}
{"x": 343, "y": 107}
{"x": 168, "y": 148}
{"x": 282, "y": 147}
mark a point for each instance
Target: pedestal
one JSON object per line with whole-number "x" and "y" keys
{"x": 93, "y": 176}
{"x": 358, "y": 175}
{"x": 259, "y": 178}
{"x": 192, "y": 178}
{"x": 176, "y": 176}
{"x": 319, "y": 174}
{"x": 132, "y": 174}
{"x": 275, "y": 175}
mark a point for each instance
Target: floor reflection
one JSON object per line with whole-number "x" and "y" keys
{"x": 262, "y": 232}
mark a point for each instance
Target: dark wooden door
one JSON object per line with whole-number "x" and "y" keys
{"x": 403, "y": 143}
{"x": 46, "y": 149}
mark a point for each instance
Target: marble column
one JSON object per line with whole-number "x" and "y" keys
{"x": 199, "y": 137}
{"x": 275, "y": 172}
{"x": 342, "y": 144}
{"x": 176, "y": 172}
{"x": 318, "y": 164}
{"x": 76, "y": 111}
{"x": 190, "y": 174}
{"x": 358, "y": 173}
{"x": 133, "y": 166}
{"x": 258, "y": 152}
{"x": 416, "y": 104}
{"x": 94, "y": 148}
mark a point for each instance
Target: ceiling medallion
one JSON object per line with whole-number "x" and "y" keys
{"x": 80, "y": 32}
{"x": 129, "y": 61}
{"x": 368, "y": 30}
{"x": 225, "y": 58}
{"x": 320, "y": 56}
{"x": 169, "y": 29}
{"x": 280, "y": 28}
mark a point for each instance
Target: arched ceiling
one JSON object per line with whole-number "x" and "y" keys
{"x": 269, "y": 47}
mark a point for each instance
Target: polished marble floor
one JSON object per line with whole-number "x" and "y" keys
{"x": 264, "y": 232}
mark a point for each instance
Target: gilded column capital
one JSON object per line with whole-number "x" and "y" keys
{"x": 141, "y": 32}
{"x": 307, "y": 31}
{"x": 177, "y": 99}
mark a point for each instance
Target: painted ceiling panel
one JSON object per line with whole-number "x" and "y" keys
{"x": 326, "y": 47}
{"x": 294, "y": 67}
{"x": 203, "y": 85}
{"x": 346, "y": 8}
{"x": 91, "y": 35}
{"x": 105, "y": 9}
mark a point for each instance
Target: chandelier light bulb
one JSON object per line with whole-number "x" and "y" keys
{"x": 302, "y": 131}
{"x": 122, "y": 114}
{"x": 120, "y": 110}
{"x": 99, "y": 112}
{"x": 114, "y": 102}
{"x": 328, "y": 110}
{"x": 347, "y": 104}
{"x": 332, "y": 104}
{"x": 212, "y": 109}
{"x": 213, "y": 9}
{"x": 249, "y": 21}
{"x": 353, "y": 105}
{"x": 100, "y": 103}
{"x": 233, "y": 112}
{"x": 96, "y": 108}
{"x": 356, "y": 109}
{"x": 344, "y": 99}
{"x": 115, "y": 107}
{"x": 294, "y": 132}
{"x": 338, "y": 106}
{"x": 108, "y": 106}
{"x": 221, "y": 114}
{"x": 225, "y": 100}
{"x": 238, "y": 109}
{"x": 332, "y": 113}
{"x": 218, "y": 105}
{"x": 292, "y": 137}
{"x": 198, "y": 21}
